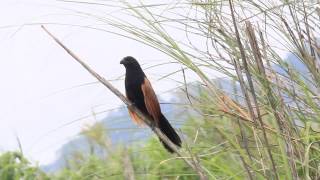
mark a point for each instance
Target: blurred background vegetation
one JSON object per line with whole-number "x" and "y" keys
{"x": 261, "y": 121}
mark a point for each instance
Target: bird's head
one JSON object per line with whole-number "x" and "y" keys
{"x": 130, "y": 62}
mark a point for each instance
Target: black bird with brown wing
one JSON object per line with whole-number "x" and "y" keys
{"x": 140, "y": 92}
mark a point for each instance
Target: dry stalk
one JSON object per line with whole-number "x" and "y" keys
{"x": 249, "y": 79}
{"x": 127, "y": 166}
{"x": 257, "y": 56}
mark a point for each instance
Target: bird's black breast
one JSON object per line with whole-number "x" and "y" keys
{"x": 133, "y": 82}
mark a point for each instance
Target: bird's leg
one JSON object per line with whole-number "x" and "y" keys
{"x": 132, "y": 104}
{"x": 152, "y": 126}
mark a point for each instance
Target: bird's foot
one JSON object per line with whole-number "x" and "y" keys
{"x": 153, "y": 126}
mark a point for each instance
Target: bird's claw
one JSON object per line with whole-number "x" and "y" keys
{"x": 152, "y": 126}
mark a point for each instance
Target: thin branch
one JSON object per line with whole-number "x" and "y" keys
{"x": 194, "y": 165}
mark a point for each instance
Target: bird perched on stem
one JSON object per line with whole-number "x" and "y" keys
{"x": 140, "y": 92}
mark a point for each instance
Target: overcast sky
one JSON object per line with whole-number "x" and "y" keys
{"x": 36, "y": 75}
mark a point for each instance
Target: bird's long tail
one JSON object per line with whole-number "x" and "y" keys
{"x": 168, "y": 130}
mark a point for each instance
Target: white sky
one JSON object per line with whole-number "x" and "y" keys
{"x": 33, "y": 67}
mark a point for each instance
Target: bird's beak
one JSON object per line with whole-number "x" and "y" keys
{"x": 122, "y": 61}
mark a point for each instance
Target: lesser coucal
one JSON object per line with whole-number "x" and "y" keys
{"x": 140, "y": 92}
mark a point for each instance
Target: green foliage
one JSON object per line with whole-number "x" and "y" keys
{"x": 13, "y": 166}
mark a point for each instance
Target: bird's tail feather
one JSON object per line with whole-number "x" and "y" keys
{"x": 168, "y": 130}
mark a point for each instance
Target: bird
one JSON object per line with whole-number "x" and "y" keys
{"x": 140, "y": 92}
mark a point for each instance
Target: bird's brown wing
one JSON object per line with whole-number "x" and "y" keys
{"x": 135, "y": 118}
{"x": 150, "y": 100}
